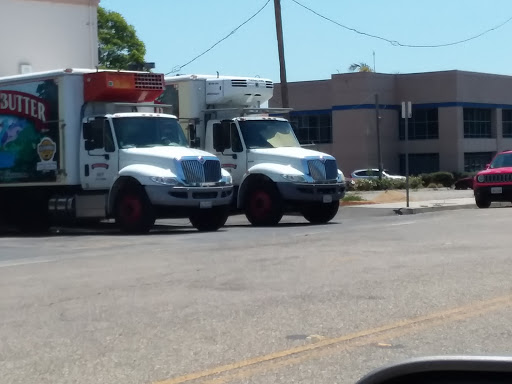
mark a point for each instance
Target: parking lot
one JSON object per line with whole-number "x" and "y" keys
{"x": 295, "y": 303}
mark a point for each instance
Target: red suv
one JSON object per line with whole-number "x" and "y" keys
{"x": 495, "y": 182}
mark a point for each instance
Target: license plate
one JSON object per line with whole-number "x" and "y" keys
{"x": 205, "y": 204}
{"x": 327, "y": 199}
{"x": 496, "y": 190}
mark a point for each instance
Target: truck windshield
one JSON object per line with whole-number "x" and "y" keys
{"x": 268, "y": 134}
{"x": 503, "y": 160}
{"x": 146, "y": 131}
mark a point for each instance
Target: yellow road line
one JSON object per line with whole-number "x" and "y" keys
{"x": 301, "y": 353}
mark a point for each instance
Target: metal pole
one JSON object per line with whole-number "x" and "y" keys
{"x": 280, "y": 48}
{"x": 407, "y": 152}
{"x": 379, "y": 154}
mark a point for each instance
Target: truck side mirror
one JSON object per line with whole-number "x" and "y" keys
{"x": 87, "y": 131}
{"x": 89, "y": 145}
{"x": 191, "y": 132}
{"x": 220, "y": 139}
{"x": 195, "y": 142}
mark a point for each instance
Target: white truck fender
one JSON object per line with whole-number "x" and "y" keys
{"x": 142, "y": 172}
{"x": 138, "y": 172}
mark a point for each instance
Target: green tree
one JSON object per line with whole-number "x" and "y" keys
{"x": 119, "y": 46}
{"x": 360, "y": 67}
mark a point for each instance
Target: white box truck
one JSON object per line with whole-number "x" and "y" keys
{"x": 88, "y": 145}
{"x": 272, "y": 173}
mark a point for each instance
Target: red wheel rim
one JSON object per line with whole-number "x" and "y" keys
{"x": 130, "y": 209}
{"x": 260, "y": 205}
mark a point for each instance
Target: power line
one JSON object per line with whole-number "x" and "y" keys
{"x": 397, "y": 43}
{"x": 179, "y": 67}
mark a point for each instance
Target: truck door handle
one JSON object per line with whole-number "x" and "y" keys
{"x": 234, "y": 156}
{"x": 86, "y": 169}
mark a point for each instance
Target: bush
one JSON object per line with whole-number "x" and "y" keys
{"x": 446, "y": 179}
{"x": 415, "y": 182}
{"x": 386, "y": 184}
{"x": 352, "y": 198}
{"x": 426, "y": 179}
{"x": 364, "y": 185}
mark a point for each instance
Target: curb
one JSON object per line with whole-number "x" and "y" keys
{"x": 414, "y": 211}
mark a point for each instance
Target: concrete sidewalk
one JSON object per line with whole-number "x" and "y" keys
{"x": 421, "y": 201}
{"x": 400, "y": 208}
{"x": 425, "y": 206}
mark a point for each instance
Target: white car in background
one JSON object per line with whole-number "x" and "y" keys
{"x": 374, "y": 174}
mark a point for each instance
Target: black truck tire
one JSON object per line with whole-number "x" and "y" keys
{"x": 321, "y": 213}
{"x": 209, "y": 220}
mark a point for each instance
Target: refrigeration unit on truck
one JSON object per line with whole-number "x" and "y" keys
{"x": 272, "y": 173}
{"x": 88, "y": 145}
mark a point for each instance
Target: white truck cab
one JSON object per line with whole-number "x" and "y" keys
{"x": 271, "y": 172}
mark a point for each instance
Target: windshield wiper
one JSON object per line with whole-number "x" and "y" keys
{"x": 149, "y": 145}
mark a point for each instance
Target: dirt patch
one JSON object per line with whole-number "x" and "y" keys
{"x": 390, "y": 197}
{"x": 362, "y": 202}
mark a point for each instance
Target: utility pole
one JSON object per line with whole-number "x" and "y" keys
{"x": 406, "y": 114}
{"x": 377, "y": 117}
{"x": 280, "y": 47}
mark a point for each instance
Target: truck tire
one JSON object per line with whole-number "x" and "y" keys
{"x": 133, "y": 211}
{"x": 263, "y": 205}
{"x": 209, "y": 220}
{"x": 482, "y": 203}
{"x": 321, "y": 213}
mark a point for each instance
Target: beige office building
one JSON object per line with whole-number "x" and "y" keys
{"x": 459, "y": 119}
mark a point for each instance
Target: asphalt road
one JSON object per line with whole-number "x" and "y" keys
{"x": 297, "y": 303}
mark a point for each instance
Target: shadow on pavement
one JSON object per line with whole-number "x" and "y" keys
{"x": 101, "y": 229}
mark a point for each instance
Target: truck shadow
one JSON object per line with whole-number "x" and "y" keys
{"x": 101, "y": 229}
{"x": 280, "y": 225}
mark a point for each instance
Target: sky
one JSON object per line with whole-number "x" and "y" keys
{"x": 175, "y": 32}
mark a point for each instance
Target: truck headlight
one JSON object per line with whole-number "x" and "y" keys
{"x": 294, "y": 178}
{"x": 341, "y": 177}
{"x": 165, "y": 180}
{"x": 227, "y": 179}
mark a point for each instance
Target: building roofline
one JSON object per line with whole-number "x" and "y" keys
{"x": 361, "y": 74}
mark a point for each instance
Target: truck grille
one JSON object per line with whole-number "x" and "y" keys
{"x": 502, "y": 178}
{"x": 195, "y": 172}
{"x": 239, "y": 83}
{"x": 323, "y": 170}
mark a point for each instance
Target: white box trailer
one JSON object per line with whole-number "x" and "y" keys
{"x": 272, "y": 173}
{"x": 87, "y": 144}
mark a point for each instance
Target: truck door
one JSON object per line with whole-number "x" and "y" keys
{"x": 99, "y": 159}
{"x": 230, "y": 149}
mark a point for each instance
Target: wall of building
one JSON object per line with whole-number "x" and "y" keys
{"x": 48, "y": 34}
{"x": 351, "y": 99}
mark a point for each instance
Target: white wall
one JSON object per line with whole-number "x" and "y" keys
{"x": 48, "y": 34}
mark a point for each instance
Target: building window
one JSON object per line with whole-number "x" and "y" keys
{"x": 421, "y": 126}
{"x": 476, "y": 161}
{"x": 506, "y": 118}
{"x": 420, "y": 163}
{"x": 477, "y": 123}
{"x": 313, "y": 128}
